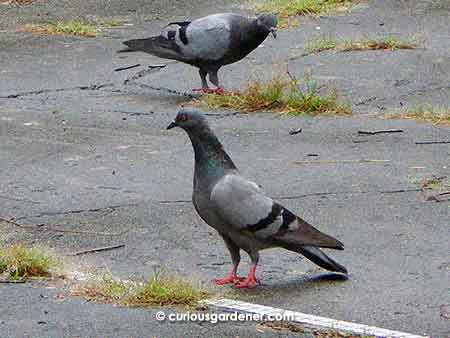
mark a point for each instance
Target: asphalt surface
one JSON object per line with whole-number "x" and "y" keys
{"x": 82, "y": 149}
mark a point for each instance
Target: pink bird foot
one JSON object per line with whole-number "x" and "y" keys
{"x": 248, "y": 283}
{"x": 230, "y": 279}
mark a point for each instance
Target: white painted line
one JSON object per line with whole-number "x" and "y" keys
{"x": 302, "y": 318}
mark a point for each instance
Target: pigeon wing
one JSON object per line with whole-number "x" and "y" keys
{"x": 208, "y": 38}
{"x": 243, "y": 205}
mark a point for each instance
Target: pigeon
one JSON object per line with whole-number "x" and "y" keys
{"x": 240, "y": 211}
{"x": 208, "y": 43}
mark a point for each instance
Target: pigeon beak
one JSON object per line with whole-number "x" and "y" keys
{"x": 273, "y": 30}
{"x": 172, "y": 124}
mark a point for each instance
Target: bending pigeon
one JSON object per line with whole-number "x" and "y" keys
{"x": 208, "y": 43}
{"x": 240, "y": 211}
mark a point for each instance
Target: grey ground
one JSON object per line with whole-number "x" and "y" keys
{"x": 98, "y": 158}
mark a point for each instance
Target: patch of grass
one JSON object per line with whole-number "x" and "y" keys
{"x": 279, "y": 95}
{"x": 72, "y": 27}
{"x": 435, "y": 183}
{"x": 385, "y": 43}
{"x": 287, "y": 9}
{"x": 111, "y": 23}
{"x": 426, "y": 113}
{"x": 20, "y": 262}
{"x": 160, "y": 290}
{"x": 320, "y": 45}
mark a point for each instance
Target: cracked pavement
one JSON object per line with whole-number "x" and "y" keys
{"x": 83, "y": 149}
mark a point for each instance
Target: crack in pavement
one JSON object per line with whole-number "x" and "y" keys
{"x": 57, "y": 90}
{"x": 78, "y": 211}
{"x": 397, "y": 191}
{"x": 163, "y": 89}
{"x": 291, "y": 197}
{"x": 419, "y": 91}
{"x": 98, "y": 87}
{"x": 19, "y": 200}
{"x": 422, "y": 91}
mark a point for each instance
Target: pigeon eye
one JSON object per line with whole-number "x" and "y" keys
{"x": 182, "y": 117}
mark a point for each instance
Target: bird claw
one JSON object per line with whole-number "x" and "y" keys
{"x": 247, "y": 284}
{"x": 229, "y": 280}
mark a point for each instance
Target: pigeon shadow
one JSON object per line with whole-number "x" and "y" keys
{"x": 292, "y": 285}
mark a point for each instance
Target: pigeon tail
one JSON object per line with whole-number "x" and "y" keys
{"x": 157, "y": 45}
{"x": 302, "y": 233}
{"x": 318, "y": 257}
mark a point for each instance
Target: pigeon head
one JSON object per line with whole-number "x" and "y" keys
{"x": 268, "y": 22}
{"x": 188, "y": 120}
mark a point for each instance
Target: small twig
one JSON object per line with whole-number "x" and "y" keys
{"x": 12, "y": 281}
{"x": 340, "y": 161}
{"x": 295, "y": 131}
{"x": 174, "y": 201}
{"x": 435, "y": 197}
{"x": 445, "y": 311}
{"x": 398, "y": 191}
{"x": 127, "y": 67}
{"x": 386, "y": 131}
{"x": 103, "y": 248}
{"x": 16, "y": 224}
{"x": 432, "y": 142}
{"x": 144, "y": 72}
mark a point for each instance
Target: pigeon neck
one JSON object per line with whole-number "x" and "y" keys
{"x": 210, "y": 157}
{"x": 255, "y": 35}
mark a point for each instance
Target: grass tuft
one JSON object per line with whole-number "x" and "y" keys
{"x": 279, "y": 95}
{"x": 424, "y": 113}
{"x": 19, "y": 262}
{"x": 427, "y": 113}
{"x": 386, "y": 43}
{"x": 111, "y": 23}
{"x": 160, "y": 290}
{"x": 72, "y": 27}
{"x": 435, "y": 183}
{"x": 287, "y": 9}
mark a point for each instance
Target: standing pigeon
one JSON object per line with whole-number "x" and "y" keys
{"x": 208, "y": 43}
{"x": 239, "y": 210}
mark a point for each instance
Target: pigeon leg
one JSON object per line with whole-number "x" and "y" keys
{"x": 251, "y": 281}
{"x": 205, "y": 88}
{"x": 214, "y": 79}
{"x": 236, "y": 258}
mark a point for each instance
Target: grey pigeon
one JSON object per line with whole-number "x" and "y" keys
{"x": 208, "y": 43}
{"x": 239, "y": 210}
